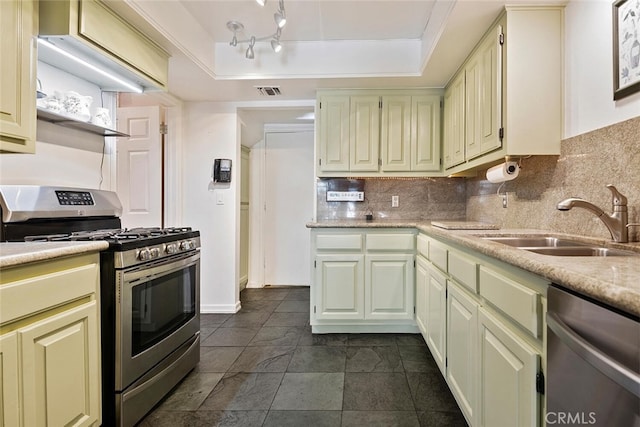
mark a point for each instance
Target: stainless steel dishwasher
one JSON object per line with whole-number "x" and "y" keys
{"x": 593, "y": 363}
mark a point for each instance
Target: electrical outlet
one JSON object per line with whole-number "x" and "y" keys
{"x": 395, "y": 200}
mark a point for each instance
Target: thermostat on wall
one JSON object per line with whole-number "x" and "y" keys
{"x": 345, "y": 196}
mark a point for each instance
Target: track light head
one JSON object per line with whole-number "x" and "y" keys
{"x": 280, "y": 18}
{"x": 250, "y": 54}
{"x": 261, "y": 2}
{"x": 276, "y": 46}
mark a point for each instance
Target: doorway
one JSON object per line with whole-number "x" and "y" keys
{"x": 289, "y": 194}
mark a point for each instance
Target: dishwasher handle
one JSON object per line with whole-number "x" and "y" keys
{"x": 617, "y": 372}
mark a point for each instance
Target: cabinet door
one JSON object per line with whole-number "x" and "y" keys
{"x": 462, "y": 360}
{"x": 425, "y": 133}
{"x": 422, "y": 281}
{"x": 437, "y": 317}
{"x": 508, "y": 368}
{"x": 18, "y": 76}
{"x": 364, "y": 133}
{"x": 9, "y": 380}
{"x": 454, "y": 137}
{"x": 389, "y": 286}
{"x": 396, "y": 133}
{"x": 61, "y": 368}
{"x": 484, "y": 97}
{"x": 333, "y": 133}
{"x": 339, "y": 286}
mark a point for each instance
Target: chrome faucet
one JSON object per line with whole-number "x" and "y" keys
{"x": 616, "y": 222}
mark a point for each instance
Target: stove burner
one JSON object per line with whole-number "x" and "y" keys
{"x": 114, "y": 235}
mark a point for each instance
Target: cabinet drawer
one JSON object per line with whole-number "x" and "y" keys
{"x": 438, "y": 255}
{"x": 29, "y": 290}
{"x": 339, "y": 242}
{"x": 423, "y": 246}
{"x": 464, "y": 270}
{"x": 400, "y": 242}
{"x": 513, "y": 299}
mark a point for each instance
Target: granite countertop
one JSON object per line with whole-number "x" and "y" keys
{"x": 18, "y": 253}
{"x": 613, "y": 280}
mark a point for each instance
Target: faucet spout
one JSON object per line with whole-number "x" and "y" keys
{"x": 616, "y": 223}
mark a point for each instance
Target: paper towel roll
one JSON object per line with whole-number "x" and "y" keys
{"x": 503, "y": 172}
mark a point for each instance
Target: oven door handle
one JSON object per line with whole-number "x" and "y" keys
{"x": 615, "y": 371}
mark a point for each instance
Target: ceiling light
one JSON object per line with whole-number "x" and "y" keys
{"x": 237, "y": 27}
{"x": 250, "y": 54}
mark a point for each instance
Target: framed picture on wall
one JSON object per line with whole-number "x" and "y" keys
{"x": 626, "y": 48}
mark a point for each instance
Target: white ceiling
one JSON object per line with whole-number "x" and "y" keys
{"x": 444, "y": 31}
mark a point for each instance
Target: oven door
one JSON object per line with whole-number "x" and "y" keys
{"x": 157, "y": 310}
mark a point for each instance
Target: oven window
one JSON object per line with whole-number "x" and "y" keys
{"x": 161, "y": 306}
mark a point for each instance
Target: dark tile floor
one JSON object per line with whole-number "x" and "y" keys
{"x": 263, "y": 367}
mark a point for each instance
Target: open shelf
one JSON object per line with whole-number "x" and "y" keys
{"x": 61, "y": 120}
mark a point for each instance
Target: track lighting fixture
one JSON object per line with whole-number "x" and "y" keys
{"x": 280, "y": 19}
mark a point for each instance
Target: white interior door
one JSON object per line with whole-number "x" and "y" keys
{"x": 289, "y": 196}
{"x": 139, "y": 167}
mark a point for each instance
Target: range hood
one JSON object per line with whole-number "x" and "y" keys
{"x": 87, "y": 39}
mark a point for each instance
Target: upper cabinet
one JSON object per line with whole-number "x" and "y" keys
{"x": 89, "y": 30}
{"x": 18, "y": 76}
{"x": 378, "y": 133}
{"x": 506, "y": 99}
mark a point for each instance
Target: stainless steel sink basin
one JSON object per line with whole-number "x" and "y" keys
{"x": 534, "y": 242}
{"x": 547, "y": 245}
{"x": 582, "y": 251}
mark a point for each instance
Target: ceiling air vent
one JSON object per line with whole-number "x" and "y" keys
{"x": 269, "y": 90}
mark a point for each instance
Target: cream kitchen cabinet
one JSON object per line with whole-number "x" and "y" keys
{"x": 378, "y": 133}
{"x": 436, "y": 335}
{"x": 91, "y": 26}
{"x": 484, "y": 324}
{"x": 454, "y": 119}
{"x": 50, "y": 344}
{"x": 410, "y": 130}
{"x": 348, "y": 133}
{"x": 18, "y": 76}
{"x": 512, "y": 95}
{"x": 508, "y": 369}
{"x": 462, "y": 349}
{"x": 363, "y": 280}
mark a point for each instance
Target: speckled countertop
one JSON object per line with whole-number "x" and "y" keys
{"x": 613, "y": 280}
{"x": 13, "y": 254}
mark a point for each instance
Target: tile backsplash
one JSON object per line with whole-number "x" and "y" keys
{"x": 587, "y": 163}
{"x": 418, "y": 199}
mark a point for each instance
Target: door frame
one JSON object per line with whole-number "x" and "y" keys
{"x": 257, "y": 213}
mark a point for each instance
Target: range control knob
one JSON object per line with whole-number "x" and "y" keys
{"x": 187, "y": 245}
{"x": 144, "y": 255}
{"x": 171, "y": 248}
{"x": 155, "y": 252}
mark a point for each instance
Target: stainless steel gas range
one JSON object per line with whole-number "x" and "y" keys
{"x": 149, "y": 296}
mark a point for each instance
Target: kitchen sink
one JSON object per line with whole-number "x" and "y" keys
{"x": 582, "y": 251}
{"x": 534, "y": 242}
{"x": 547, "y": 245}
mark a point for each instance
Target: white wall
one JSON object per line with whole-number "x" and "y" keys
{"x": 589, "y": 101}
{"x": 210, "y": 133}
{"x": 64, "y": 156}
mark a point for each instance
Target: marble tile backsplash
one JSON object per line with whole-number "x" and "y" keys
{"x": 419, "y": 199}
{"x": 587, "y": 163}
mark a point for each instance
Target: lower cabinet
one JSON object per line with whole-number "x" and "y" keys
{"x": 436, "y": 334}
{"x": 508, "y": 369}
{"x": 481, "y": 320}
{"x": 50, "y": 344}
{"x": 388, "y": 286}
{"x": 339, "y": 287}
{"x": 462, "y": 349}
{"x": 363, "y": 281}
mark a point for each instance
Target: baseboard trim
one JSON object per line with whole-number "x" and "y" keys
{"x": 220, "y": 308}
